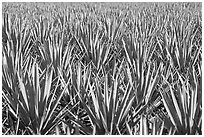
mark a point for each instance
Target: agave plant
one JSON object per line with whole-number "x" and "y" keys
{"x": 106, "y": 107}
{"x": 33, "y": 101}
{"x": 182, "y": 97}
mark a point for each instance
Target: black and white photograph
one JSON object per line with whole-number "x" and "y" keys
{"x": 101, "y": 68}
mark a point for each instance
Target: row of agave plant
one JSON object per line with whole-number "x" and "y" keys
{"x": 90, "y": 72}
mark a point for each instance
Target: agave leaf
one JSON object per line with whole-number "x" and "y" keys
{"x": 143, "y": 126}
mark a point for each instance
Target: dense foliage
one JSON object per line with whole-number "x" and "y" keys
{"x": 101, "y": 68}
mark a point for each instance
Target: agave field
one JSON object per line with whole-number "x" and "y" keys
{"x": 101, "y": 68}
